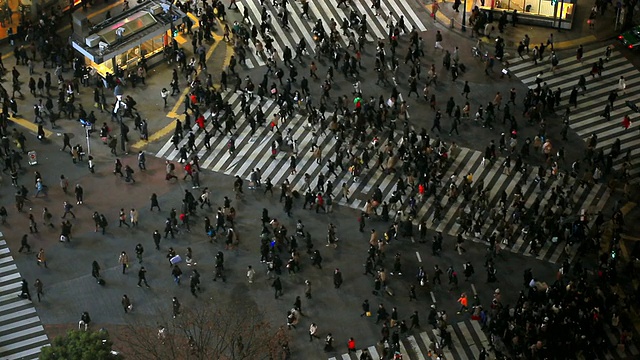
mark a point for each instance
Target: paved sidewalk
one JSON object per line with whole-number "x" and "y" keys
{"x": 564, "y": 39}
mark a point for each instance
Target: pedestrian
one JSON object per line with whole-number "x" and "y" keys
{"x": 626, "y": 123}
{"x": 468, "y": 270}
{"x": 491, "y": 273}
{"x": 313, "y": 331}
{"x": 579, "y": 53}
{"x": 415, "y": 320}
{"x": 67, "y": 210}
{"x": 464, "y": 303}
{"x": 176, "y": 273}
{"x": 102, "y": 223}
{"x": 277, "y": 286}
{"x": 307, "y": 289}
{"x": 168, "y": 228}
{"x": 366, "y": 310}
{"x": 126, "y": 304}
{"x": 128, "y": 170}
{"x": 622, "y": 84}
{"x": 142, "y": 160}
{"x": 38, "y": 285}
{"x": 46, "y": 218}
{"x": 613, "y": 95}
{"x": 41, "y": 258}
{"x": 24, "y": 290}
{"x": 123, "y": 260}
{"x": 412, "y": 293}
{"x": 133, "y": 217}
{"x": 122, "y": 217}
{"x": 142, "y": 277}
{"x": 337, "y": 278}
{"x": 497, "y": 100}
{"x": 466, "y": 90}
{"x": 24, "y": 245}
{"x": 381, "y": 314}
{"x": 64, "y": 184}
{"x": 436, "y": 121}
{"x": 194, "y": 282}
{"x": 436, "y": 275}
{"x": 154, "y": 202}
{"x": 251, "y": 274}
{"x": 439, "y": 41}
{"x": 483, "y": 354}
{"x": 66, "y": 142}
{"x": 33, "y": 227}
{"x": 393, "y": 322}
{"x": 361, "y": 222}
{"x": 95, "y": 270}
{"x": 434, "y": 9}
{"x": 351, "y": 345}
{"x": 175, "y": 304}
{"x": 84, "y": 322}
{"x": 156, "y": 239}
{"x": 79, "y": 192}
{"x": 164, "y": 93}
{"x": 291, "y": 320}
{"x": 3, "y": 215}
{"x": 139, "y": 250}
{"x": 573, "y": 97}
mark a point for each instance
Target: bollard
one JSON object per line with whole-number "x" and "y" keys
{"x": 451, "y": 24}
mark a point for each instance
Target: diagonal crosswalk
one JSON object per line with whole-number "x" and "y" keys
{"x": 585, "y": 119}
{"x": 21, "y": 332}
{"x": 254, "y": 151}
{"x": 301, "y": 28}
{"x": 467, "y": 340}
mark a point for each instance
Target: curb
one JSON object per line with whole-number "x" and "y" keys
{"x": 449, "y": 23}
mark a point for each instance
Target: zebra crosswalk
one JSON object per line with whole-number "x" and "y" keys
{"x": 586, "y": 118}
{"x": 254, "y": 151}
{"x": 589, "y": 198}
{"x": 302, "y": 28}
{"x": 467, "y": 341}
{"x": 21, "y": 332}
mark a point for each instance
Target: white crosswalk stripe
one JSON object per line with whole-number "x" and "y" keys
{"x": 301, "y": 28}
{"x": 372, "y": 350}
{"x": 254, "y": 151}
{"x": 586, "y": 118}
{"x": 467, "y": 339}
{"x": 21, "y": 332}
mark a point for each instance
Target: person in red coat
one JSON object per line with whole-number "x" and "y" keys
{"x": 200, "y": 122}
{"x": 351, "y": 344}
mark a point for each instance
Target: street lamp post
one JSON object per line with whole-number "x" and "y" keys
{"x": 464, "y": 16}
{"x": 88, "y": 140}
{"x": 87, "y": 130}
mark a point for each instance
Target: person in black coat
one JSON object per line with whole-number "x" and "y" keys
{"x": 337, "y": 278}
{"x": 277, "y": 286}
{"x": 24, "y": 291}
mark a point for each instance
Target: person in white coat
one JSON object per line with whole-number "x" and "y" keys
{"x": 133, "y": 217}
{"x": 251, "y": 274}
{"x": 622, "y": 84}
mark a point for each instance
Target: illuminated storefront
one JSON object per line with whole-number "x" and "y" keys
{"x": 557, "y": 14}
{"x": 12, "y": 12}
{"x": 122, "y": 41}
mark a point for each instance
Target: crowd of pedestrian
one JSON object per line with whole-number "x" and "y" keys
{"x": 364, "y": 125}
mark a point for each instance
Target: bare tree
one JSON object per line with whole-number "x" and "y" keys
{"x": 229, "y": 331}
